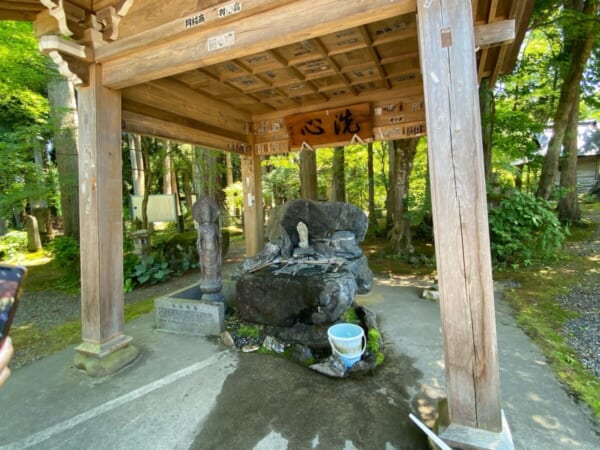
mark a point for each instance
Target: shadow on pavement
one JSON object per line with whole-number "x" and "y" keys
{"x": 269, "y": 398}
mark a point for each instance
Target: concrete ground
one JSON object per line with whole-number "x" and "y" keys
{"x": 187, "y": 392}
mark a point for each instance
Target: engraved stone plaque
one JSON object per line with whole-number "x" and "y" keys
{"x": 181, "y": 315}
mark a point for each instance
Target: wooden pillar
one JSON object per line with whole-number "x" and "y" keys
{"x": 448, "y": 66}
{"x": 253, "y": 211}
{"x": 308, "y": 174}
{"x": 105, "y": 348}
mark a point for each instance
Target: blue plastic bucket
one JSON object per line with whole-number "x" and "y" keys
{"x": 347, "y": 341}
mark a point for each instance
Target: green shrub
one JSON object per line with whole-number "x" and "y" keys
{"x": 12, "y": 243}
{"x": 180, "y": 251}
{"x": 524, "y": 228}
{"x": 65, "y": 250}
{"x": 144, "y": 270}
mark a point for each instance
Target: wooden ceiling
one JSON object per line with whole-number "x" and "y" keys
{"x": 378, "y": 56}
{"x": 372, "y": 61}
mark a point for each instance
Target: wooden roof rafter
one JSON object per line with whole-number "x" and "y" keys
{"x": 376, "y": 59}
{"x": 334, "y": 65}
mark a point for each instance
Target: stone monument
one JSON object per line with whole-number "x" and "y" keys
{"x": 206, "y": 213}
{"x": 200, "y": 309}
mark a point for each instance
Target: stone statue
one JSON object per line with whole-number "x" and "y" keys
{"x": 303, "y": 234}
{"x": 206, "y": 213}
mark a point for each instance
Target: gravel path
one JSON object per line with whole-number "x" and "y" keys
{"x": 583, "y": 332}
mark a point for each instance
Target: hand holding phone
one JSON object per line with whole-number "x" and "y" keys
{"x": 6, "y": 352}
{"x": 11, "y": 279}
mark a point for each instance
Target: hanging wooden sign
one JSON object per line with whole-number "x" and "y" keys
{"x": 331, "y": 125}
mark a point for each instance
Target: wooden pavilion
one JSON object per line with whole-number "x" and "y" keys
{"x": 261, "y": 77}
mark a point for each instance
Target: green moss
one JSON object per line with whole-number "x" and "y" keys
{"x": 135, "y": 310}
{"x": 374, "y": 345}
{"x": 249, "y": 331}
{"x": 350, "y": 316}
{"x": 38, "y": 342}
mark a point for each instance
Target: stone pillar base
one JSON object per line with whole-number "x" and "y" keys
{"x": 467, "y": 438}
{"x": 99, "y": 360}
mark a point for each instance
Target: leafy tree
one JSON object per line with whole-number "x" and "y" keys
{"x": 63, "y": 111}
{"x": 404, "y": 154}
{"x": 23, "y": 118}
{"x": 282, "y": 179}
{"x": 580, "y": 26}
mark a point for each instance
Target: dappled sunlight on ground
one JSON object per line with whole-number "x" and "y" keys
{"x": 416, "y": 281}
{"x": 30, "y": 259}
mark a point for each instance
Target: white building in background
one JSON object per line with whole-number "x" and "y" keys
{"x": 588, "y": 153}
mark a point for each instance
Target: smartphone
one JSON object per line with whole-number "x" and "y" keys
{"x": 11, "y": 280}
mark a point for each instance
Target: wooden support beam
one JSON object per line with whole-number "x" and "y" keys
{"x": 169, "y": 116}
{"x": 408, "y": 89}
{"x": 495, "y": 33}
{"x": 179, "y": 131}
{"x": 177, "y": 98}
{"x": 253, "y": 204}
{"x": 460, "y": 219}
{"x": 100, "y": 213}
{"x": 203, "y": 46}
{"x": 157, "y": 20}
{"x": 68, "y": 47}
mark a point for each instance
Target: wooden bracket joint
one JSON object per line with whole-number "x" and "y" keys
{"x": 110, "y": 17}
{"x": 67, "y": 15}
{"x": 70, "y": 57}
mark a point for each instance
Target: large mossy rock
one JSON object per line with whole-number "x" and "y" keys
{"x": 311, "y": 296}
{"x": 323, "y": 219}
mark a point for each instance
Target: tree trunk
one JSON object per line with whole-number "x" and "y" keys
{"x": 39, "y": 204}
{"x": 579, "y": 54}
{"x": 205, "y": 172}
{"x": 389, "y": 199}
{"x": 187, "y": 190}
{"x": 229, "y": 175}
{"x": 167, "y": 169}
{"x": 404, "y": 155}
{"x": 148, "y": 178}
{"x": 63, "y": 111}
{"x": 371, "y": 177}
{"x": 229, "y": 168}
{"x": 308, "y": 175}
{"x": 338, "y": 182}
{"x": 568, "y": 205}
{"x": 137, "y": 163}
{"x": 170, "y": 182}
{"x": 488, "y": 110}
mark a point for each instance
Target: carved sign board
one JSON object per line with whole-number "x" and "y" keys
{"x": 330, "y": 125}
{"x": 400, "y": 131}
{"x": 220, "y": 12}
